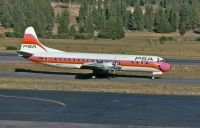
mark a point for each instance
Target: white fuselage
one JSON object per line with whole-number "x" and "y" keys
{"x": 76, "y": 60}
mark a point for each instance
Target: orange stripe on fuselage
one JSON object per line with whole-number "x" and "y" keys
{"x": 139, "y": 64}
{"x": 82, "y": 61}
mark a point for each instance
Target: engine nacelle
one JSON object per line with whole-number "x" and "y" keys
{"x": 110, "y": 66}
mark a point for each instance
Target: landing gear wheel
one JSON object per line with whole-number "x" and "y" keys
{"x": 93, "y": 77}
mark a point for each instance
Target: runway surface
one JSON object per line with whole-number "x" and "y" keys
{"x": 118, "y": 78}
{"x": 23, "y": 109}
{"x": 13, "y": 58}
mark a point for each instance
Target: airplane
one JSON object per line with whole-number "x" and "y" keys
{"x": 33, "y": 50}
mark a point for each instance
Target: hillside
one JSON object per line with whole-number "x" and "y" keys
{"x": 58, "y": 9}
{"x": 100, "y": 19}
{"x": 20, "y": 14}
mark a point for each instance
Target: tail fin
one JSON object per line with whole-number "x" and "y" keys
{"x": 30, "y": 42}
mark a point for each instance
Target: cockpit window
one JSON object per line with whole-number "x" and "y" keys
{"x": 161, "y": 61}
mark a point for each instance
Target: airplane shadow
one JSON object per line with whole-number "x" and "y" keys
{"x": 83, "y": 75}
{"x": 77, "y": 75}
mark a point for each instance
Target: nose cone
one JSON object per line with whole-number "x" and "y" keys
{"x": 165, "y": 67}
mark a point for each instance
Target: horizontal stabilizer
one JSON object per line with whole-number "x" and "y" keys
{"x": 24, "y": 54}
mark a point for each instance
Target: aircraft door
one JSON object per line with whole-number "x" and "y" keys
{"x": 45, "y": 60}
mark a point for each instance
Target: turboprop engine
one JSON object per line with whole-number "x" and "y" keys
{"x": 110, "y": 66}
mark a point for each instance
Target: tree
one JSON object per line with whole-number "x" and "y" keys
{"x": 182, "y": 28}
{"x": 63, "y": 23}
{"x": 149, "y": 18}
{"x": 101, "y": 21}
{"x": 72, "y": 31}
{"x": 83, "y": 12}
{"x": 194, "y": 14}
{"x": 6, "y": 18}
{"x": 173, "y": 20}
{"x": 1, "y": 10}
{"x": 139, "y": 18}
{"x": 161, "y": 22}
{"x": 19, "y": 17}
{"x": 184, "y": 20}
{"x": 23, "y": 13}
{"x": 113, "y": 30}
{"x": 132, "y": 23}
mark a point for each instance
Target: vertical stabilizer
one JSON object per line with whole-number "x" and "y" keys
{"x": 30, "y": 42}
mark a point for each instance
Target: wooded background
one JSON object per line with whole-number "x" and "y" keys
{"x": 100, "y": 18}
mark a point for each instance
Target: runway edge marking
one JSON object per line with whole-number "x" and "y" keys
{"x": 30, "y": 98}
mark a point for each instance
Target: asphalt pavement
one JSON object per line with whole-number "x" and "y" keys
{"x": 22, "y": 108}
{"x": 117, "y": 78}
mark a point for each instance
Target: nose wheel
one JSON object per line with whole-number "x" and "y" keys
{"x": 155, "y": 74}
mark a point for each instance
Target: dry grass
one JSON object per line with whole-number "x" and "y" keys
{"x": 135, "y": 43}
{"x": 96, "y": 86}
{"x": 4, "y": 42}
{"x": 183, "y": 71}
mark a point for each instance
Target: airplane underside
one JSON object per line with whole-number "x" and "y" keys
{"x": 101, "y": 73}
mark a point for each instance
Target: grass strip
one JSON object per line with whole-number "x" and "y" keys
{"x": 97, "y": 86}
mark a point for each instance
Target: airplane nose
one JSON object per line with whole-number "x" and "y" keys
{"x": 165, "y": 67}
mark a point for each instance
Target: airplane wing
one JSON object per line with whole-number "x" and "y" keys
{"x": 103, "y": 67}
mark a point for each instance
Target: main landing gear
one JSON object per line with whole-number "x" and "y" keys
{"x": 93, "y": 77}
